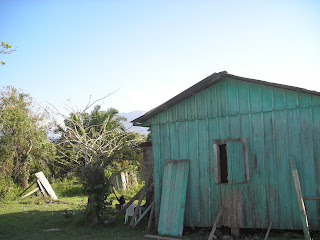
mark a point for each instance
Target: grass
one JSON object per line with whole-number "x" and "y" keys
{"x": 38, "y": 218}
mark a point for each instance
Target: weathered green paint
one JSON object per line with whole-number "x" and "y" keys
{"x": 173, "y": 197}
{"x": 278, "y": 123}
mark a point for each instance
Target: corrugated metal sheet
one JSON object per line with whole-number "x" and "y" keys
{"x": 278, "y": 123}
{"x": 173, "y": 197}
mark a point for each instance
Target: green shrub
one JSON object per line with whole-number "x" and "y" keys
{"x": 68, "y": 187}
{"x": 6, "y": 185}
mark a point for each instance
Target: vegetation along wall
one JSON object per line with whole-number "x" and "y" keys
{"x": 239, "y": 137}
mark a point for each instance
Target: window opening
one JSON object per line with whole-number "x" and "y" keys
{"x": 223, "y": 163}
{"x": 231, "y": 160}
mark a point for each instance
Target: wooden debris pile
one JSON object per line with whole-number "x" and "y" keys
{"x": 43, "y": 187}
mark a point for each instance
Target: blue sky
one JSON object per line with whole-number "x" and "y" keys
{"x": 152, "y": 50}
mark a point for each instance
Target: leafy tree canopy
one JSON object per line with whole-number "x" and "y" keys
{"x": 24, "y": 146}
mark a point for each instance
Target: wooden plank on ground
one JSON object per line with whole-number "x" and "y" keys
{"x": 214, "y": 227}
{"x": 46, "y": 185}
{"x": 173, "y": 197}
{"x": 28, "y": 194}
{"x": 42, "y": 190}
{"x": 159, "y": 237}
{"x": 135, "y": 197}
{"x": 27, "y": 188}
{"x": 303, "y": 214}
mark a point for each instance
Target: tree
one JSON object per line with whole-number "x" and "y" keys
{"x": 91, "y": 141}
{"x": 5, "y": 49}
{"x": 23, "y": 139}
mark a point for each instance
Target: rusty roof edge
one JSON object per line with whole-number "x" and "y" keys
{"x": 206, "y": 82}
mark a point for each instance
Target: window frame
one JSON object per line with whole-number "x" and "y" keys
{"x": 216, "y": 151}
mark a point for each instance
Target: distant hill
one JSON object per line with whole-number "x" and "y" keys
{"x": 131, "y": 116}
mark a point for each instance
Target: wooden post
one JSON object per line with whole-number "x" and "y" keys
{"x": 214, "y": 227}
{"x": 303, "y": 214}
{"x": 267, "y": 234}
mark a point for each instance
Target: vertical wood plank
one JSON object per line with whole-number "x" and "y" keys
{"x": 204, "y": 183}
{"x": 304, "y": 218}
{"x": 212, "y": 101}
{"x": 292, "y": 99}
{"x": 280, "y": 138}
{"x": 279, "y": 99}
{"x": 194, "y": 171}
{"x": 259, "y": 170}
{"x": 304, "y": 99}
{"x": 294, "y": 150}
{"x": 222, "y": 98}
{"x": 271, "y": 170}
{"x": 181, "y": 111}
{"x": 267, "y": 98}
{"x": 255, "y": 98}
{"x": 173, "y": 197}
{"x": 316, "y": 147}
{"x": 201, "y": 105}
{"x": 155, "y": 133}
{"x": 215, "y": 202}
{"x": 244, "y": 95}
{"x": 308, "y": 171}
{"x": 232, "y": 97}
{"x": 191, "y": 108}
{"x": 315, "y": 100}
{"x": 174, "y": 141}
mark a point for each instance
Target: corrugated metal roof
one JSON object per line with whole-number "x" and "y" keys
{"x": 208, "y": 81}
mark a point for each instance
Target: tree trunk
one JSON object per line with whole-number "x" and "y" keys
{"x": 24, "y": 183}
{"x": 23, "y": 175}
{"x": 92, "y": 210}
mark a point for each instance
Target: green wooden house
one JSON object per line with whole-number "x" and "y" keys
{"x": 239, "y": 134}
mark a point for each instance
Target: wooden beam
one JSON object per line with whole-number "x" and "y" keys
{"x": 42, "y": 190}
{"x": 267, "y": 234}
{"x": 150, "y": 218}
{"x": 112, "y": 220}
{"x": 311, "y": 198}
{"x": 303, "y": 214}
{"x": 45, "y": 184}
{"x": 144, "y": 213}
{"x": 131, "y": 224}
{"x": 28, "y": 194}
{"x": 159, "y": 237}
{"x": 214, "y": 227}
{"x": 27, "y": 188}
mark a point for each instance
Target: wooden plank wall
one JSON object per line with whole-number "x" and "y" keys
{"x": 278, "y": 123}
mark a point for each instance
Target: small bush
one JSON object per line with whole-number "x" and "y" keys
{"x": 8, "y": 190}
